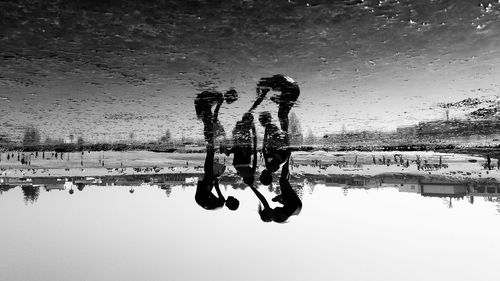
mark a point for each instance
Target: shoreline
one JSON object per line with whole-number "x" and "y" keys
{"x": 318, "y": 163}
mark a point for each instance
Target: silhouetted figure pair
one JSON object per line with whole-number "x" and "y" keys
{"x": 276, "y": 153}
{"x": 212, "y": 128}
{"x": 292, "y": 205}
{"x": 275, "y": 148}
{"x": 288, "y": 94}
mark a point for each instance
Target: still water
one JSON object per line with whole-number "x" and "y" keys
{"x": 342, "y": 233}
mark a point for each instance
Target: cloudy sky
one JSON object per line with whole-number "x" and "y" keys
{"x": 104, "y": 69}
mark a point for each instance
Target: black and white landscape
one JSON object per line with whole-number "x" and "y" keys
{"x": 249, "y": 140}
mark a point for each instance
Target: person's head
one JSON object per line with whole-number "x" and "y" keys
{"x": 265, "y": 214}
{"x": 232, "y": 203}
{"x": 265, "y": 118}
{"x": 247, "y": 118}
{"x": 231, "y": 96}
{"x": 266, "y": 177}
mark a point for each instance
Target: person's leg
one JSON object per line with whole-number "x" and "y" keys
{"x": 204, "y": 112}
{"x": 288, "y": 196}
{"x": 283, "y": 111}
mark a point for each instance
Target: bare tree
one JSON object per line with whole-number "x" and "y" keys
{"x": 80, "y": 142}
{"x": 296, "y": 137}
{"x": 166, "y": 137}
{"x": 31, "y": 136}
{"x": 310, "y": 139}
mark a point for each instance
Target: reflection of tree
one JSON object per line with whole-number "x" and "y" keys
{"x": 31, "y": 136}
{"x": 345, "y": 191}
{"x": 448, "y": 202}
{"x": 5, "y": 188}
{"x": 497, "y": 205}
{"x": 80, "y": 142}
{"x": 309, "y": 186}
{"x": 30, "y": 193}
{"x": 168, "y": 190}
{"x": 296, "y": 137}
{"x": 310, "y": 139}
{"x": 166, "y": 137}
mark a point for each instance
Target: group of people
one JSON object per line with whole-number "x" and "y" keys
{"x": 275, "y": 149}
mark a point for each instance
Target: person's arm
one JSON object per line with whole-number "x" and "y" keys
{"x": 262, "y": 94}
{"x": 285, "y": 171}
{"x": 254, "y": 160}
{"x": 261, "y": 197}
{"x": 264, "y": 152}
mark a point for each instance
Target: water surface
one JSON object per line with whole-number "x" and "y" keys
{"x": 108, "y": 233}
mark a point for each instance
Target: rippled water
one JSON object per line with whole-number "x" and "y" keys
{"x": 104, "y": 70}
{"x": 105, "y": 232}
{"x": 123, "y": 70}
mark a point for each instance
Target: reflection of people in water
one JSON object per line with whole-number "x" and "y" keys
{"x": 203, "y": 106}
{"x": 292, "y": 205}
{"x": 274, "y": 148}
{"x": 289, "y": 93}
{"x": 244, "y": 148}
{"x": 30, "y": 193}
{"x": 80, "y": 186}
{"x": 204, "y": 195}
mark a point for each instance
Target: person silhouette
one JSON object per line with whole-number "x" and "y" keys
{"x": 203, "y": 104}
{"x": 288, "y": 94}
{"x": 244, "y": 148}
{"x": 291, "y": 203}
{"x": 275, "y": 149}
{"x": 204, "y": 196}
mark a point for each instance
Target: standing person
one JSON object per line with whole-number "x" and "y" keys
{"x": 288, "y": 94}
{"x": 204, "y": 195}
{"x": 244, "y": 148}
{"x": 204, "y": 102}
{"x": 274, "y": 148}
{"x": 292, "y": 205}
{"x": 203, "y": 106}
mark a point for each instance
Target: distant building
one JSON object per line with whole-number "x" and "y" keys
{"x": 443, "y": 189}
{"x": 409, "y": 187}
{"x": 485, "y": 189}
